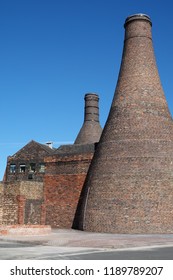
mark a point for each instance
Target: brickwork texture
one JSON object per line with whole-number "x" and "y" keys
{"x": 63, "y": 183}
{"x": 20, "y": 203}
{"x": 129, "y": 186}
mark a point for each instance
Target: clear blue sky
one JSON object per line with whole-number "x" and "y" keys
{"x": 52, "y": 52}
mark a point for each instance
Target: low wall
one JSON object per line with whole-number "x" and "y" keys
{"x": 21, "y": 203}
{"x": 25, "y": 230}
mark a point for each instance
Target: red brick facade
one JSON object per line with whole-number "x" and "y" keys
{"x": 63, "y": 183}
{"x": 51, "y": 202}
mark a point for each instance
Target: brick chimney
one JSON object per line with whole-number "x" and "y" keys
{"x": 129, "y": 186}
{"x": 91, "y": 129}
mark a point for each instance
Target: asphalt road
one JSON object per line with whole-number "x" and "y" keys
{"x": 165, "y": 253}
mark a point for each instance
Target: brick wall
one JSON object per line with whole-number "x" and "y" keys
{"x": 54, "y": 201}
{"x": 33, "y": 211}
{"x": 31, "y": 154}
{"x": 10, "y": 209}
{"x": 1, "y": 201}
{"x": 21, "y": 202}
{"x": 63, "y": 182}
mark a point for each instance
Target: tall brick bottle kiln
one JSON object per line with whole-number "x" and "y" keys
{"x": 129, "y": 186}
{"x": 91, "y": 130}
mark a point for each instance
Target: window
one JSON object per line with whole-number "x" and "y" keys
{"x": 22, "y": 168}
{"x": 30, "y": 176}
{"x": 32, "y": 167}
{"x": 12, "y": 168}
{"x": 41, "y": 167}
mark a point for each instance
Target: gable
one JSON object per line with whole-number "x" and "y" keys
{"x": 32, "y": 150}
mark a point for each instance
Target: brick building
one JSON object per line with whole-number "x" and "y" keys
{"x": 42, "y": 185}
{"x": 123, "y": 184}
{"x": 65, "y": 174}
{"x": 28, "y": 163}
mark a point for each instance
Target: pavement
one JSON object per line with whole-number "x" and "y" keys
{"x": 74, "y": 238}
{"x": 62, "y": 243}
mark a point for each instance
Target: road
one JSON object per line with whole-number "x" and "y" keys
{"x": 12, "y": 250}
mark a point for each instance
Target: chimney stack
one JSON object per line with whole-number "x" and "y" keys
{"x": 91, "y": 129}
{"x": 49, "y": 144}
{"x": 129, "y": 185}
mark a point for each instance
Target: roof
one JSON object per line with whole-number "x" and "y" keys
{"x": 75, "y": 149}
{"x": 46, "y": 148}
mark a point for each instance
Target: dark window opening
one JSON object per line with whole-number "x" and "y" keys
{"x": 30, "y": 176}
{"x": 12, "y": 168}
{"x": 22, "y": 168}
{"x": 32, "y": 167}
{"x": 41, "y": 167}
